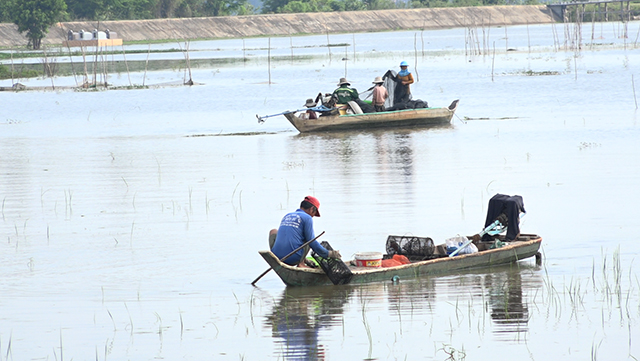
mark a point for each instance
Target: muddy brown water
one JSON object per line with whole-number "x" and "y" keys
{"x": 131, "y": 219}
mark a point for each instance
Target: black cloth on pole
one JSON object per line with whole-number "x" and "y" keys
{"x": 511, "y": 206}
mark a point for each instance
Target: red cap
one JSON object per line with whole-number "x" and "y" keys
{"x": 314, "y": 201}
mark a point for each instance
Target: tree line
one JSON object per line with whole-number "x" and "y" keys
{"x": 71, "y": 10}
{"x": 34, "y": 17}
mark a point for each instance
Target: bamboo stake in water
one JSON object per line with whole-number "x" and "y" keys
{"x": 466, "y": 38}
{"x": 493, "y": 60}
{"x": 328, "y": 43}
{"x": 124, "y": 56}
{"x": 346, "y": 60}
{"x": 415, "y": 56}
{"x": 105, "y": 64}
{"x": 506, "y": 39}
{"x": 146, "y": 64}
{"x": 12, "y": 82}
{"x": 71, "y": 60}
{"x": 634, "y": 91}
{"x": 269, "y": 60}
{"x": 291, "y": 43}
{"x": 84, "y": 62}
{"x": 528, "y": 38}
{"x": 95, "y": 66}
{"x": 354, "y": 46}
{"x": 189, "y": 63}
{"x": 244, "y": 52}
{"x": 47, "y": 67}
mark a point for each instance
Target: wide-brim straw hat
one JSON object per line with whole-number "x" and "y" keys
{"x": 343, "y": 81}
{"x": 310, "y": 103}
{"x": 378, "y": 80}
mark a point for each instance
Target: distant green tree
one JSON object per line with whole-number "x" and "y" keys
{"x": 166, "y": 8}
{"x": 226, "y": 7}
{"x": 384, "y": 4}
{"x": 492, "y": 2}
{"x": 297, "y": 7}
{"x": 303, "y": 6}
{"x": 86, "y": 9}
{"x": 131, "y": 10}
{"x": 154, "y": 9}
{"x": 36, "y": 16}
{"x": 5, "y": 6}
{"x": 354, "y": 5}
{"x": 273, "y": 6}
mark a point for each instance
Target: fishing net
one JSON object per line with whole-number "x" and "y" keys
{"x": 337, "y": 271}
{"x": 414, "y": 248}
{"x": 399, "y": 98}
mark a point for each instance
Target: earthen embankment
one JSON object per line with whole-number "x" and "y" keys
{"x": 295, "y": 24}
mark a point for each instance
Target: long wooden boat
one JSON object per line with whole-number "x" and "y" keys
{"x": 396, "y": 118}
{"x": 525, "y": 246}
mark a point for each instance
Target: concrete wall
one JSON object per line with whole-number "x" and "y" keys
{"x": 287, "y": 24}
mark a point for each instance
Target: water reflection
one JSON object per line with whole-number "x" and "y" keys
{"x": 299, "y": 315}
{"x": 505, "y": 291}
{"x": 502, "y": 289}
{"x": 509, "y": 312}
{"x": 386, "y": 157}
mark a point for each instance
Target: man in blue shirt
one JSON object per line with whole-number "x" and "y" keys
{"x": 296, "y": 228}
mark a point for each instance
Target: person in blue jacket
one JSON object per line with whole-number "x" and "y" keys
{"x": 296, "y": 228}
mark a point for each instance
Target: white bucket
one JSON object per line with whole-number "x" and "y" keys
{"x": 369, "y": 259}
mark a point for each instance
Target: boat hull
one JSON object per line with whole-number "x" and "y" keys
{"x": 398, "y": 118}
{"x": 525, "y": 247}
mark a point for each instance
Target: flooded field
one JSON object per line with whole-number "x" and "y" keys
{"x": 132, "y": 219}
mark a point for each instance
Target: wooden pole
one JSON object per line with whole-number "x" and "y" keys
{"x": 269, "y": 60}
{"x": 634, "y": 91}
{"x": 415, "y": 56}
{"x": 346, "y": 60}
{"x": 146, "y": 64}
{"x": 493, "y": 60}
{"x": 328, "y": 43}
{"x": 354, "y": 46}
{"x": 12, "y": 82}
{"x": 124, "y": 55}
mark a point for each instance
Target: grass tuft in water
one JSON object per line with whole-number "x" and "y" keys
{"x": 367, "y": 329}
{"x": 453, "y": 354}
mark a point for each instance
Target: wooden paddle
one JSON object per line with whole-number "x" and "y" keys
{"x": 287, "y": 256}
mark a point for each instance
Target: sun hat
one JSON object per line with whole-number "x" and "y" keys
{"x": 343, "y": 81}
{"x": 378, "y": 80}
{"x": 313, "y": 200}
{"x": 310, "y": 103}
{"x": 404, "y": 63}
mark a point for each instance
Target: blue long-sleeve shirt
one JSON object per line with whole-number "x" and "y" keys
{"x": 296, "y": 228}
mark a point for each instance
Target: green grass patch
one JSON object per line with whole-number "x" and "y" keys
{"x": 5, "y": 73}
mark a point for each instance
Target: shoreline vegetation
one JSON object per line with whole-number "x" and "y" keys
{"x": 55, "y": 57}
{"x": 13, "y": 45}
{"x": 273, "y": 25}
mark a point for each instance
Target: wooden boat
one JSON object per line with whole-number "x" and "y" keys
{"x": 525, "y": 246}
{"x": 397, "y": 118}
